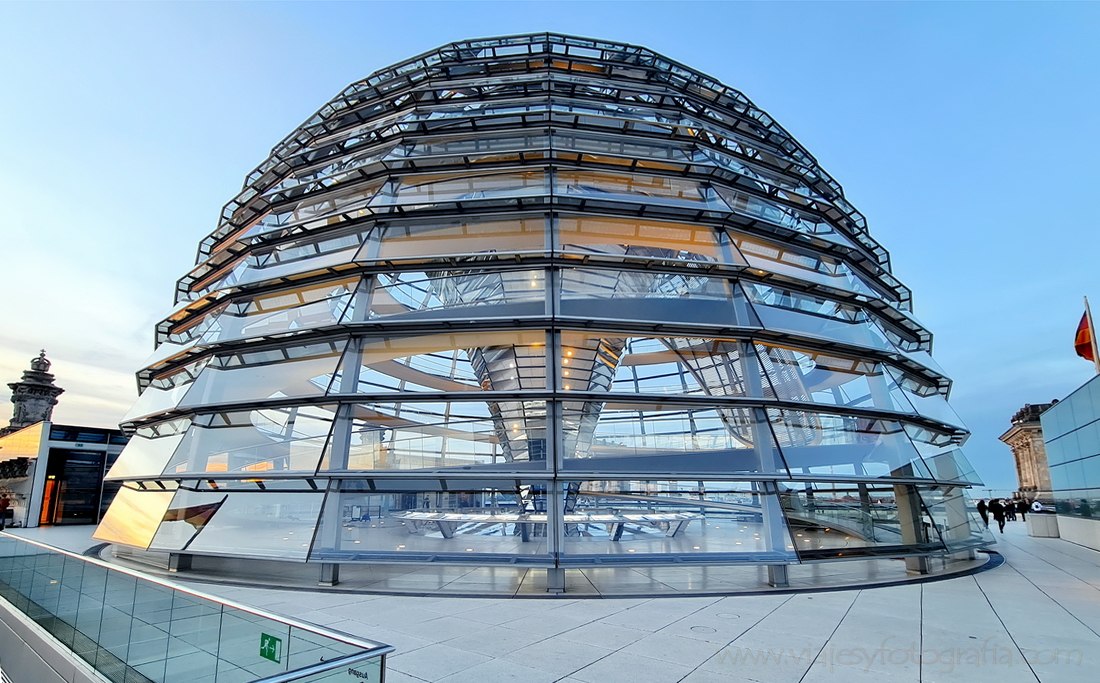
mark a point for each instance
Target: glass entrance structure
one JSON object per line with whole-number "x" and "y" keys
{"x": 548, "y": 302}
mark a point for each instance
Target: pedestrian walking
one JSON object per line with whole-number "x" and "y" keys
{"x": 983, "y": 512}
{"x": 1021, "y": 509}
{"x": 997, "y": 509}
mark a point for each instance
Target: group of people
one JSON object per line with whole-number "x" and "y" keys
{"x": 1003, "y": 510}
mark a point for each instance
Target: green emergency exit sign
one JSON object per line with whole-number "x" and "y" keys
{"x": 271, "y": 647}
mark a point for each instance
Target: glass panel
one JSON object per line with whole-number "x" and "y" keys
{"x": 458, "y": 294}
{"x": 194, "y": 625}
{"x": 133, "y": 517}
{"x": 282, "y": 311}
{"x": 622, "y": 151}
{"x": 834, "y": 519}
{"x": 317, "y": 210}
{"x": 1078, "y": 502}
{"x": 483, "y": 148}
{"x": 651, "y": 297}
{"x": 659, "y": 438}
{"x": 812, "y": 376}
{"x": 404, "y": 241}
{"x": 927, "y": 399}
{"x": 943, "y": 460}
{"x": 410, "y": 436}
{"x": 955, "y": 517}
{"x": 650, "y": 189}
{"x": 790, "y": 311}
{"x": 165, "y": 391}
{"x": 145, "y": 455}
{"x": 306, "y": 254}
{"x": 425, "y": 190}
{"x": 670, "y": 517}
{"x": 360, "y": 525}
{"x": 785, "y": 216}
{"x": 273, "y": 524}
{"x": 489, "y": 361}
{"x": 271, "y": 439}
{"x": 284, "y": 372}
{"x": 766, "y": 257}
{"x": 638, "y": 239}
{"x": 820, "y": 443}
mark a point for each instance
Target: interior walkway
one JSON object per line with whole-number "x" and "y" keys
{"x": 1036, "y": 618}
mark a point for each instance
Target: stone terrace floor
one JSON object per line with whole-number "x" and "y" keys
{"x": 1035, "y": 618}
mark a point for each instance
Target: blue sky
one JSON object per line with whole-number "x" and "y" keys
{"x": 964, "y": 132}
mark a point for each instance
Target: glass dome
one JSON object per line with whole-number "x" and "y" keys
{"x": 549, "y": 302}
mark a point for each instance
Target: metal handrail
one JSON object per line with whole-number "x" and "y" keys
{"x": 322, "y": 667}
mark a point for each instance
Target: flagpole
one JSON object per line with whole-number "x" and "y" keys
{"x": 1092, "y": 337}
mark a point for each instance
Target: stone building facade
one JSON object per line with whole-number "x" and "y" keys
{"x": 34, "y": 396}
{"x": 1025, "y": 438}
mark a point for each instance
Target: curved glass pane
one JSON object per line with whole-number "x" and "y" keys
{"x": 400, "y": 525}
{"x": 639, "y": 240}
{"x": 664, "y": 438}
{"x": 441, "y": 294}
{"x": 272, "y": 524}
{"x": 764, "y": 257}
{"x": 284, "y": 372}
{"x": 268, "y": 440}
{"x": 144, "y": 456}
{"x": 133, "y": 517}
{"x": 791, "y": 311}
{"x": 650, "y": 297}
{"x": 821, "y": 443}
{"x": 425, "y": 190}
{"x": 635, "y": 187}
{"x": 838, "y": 520}
{"x": 281, "y": 311}
{"x": 165, "y": 391}
{"x": 439, "y": 435}
{"x": 421, "y": 241}
{"x": 485, "y": 361}
{"x": 678, "y": 518}
{"x": 811, "y": 376}
{"x": 927, "y": 399}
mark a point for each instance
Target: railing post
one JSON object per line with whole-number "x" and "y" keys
{"x": 330, "y": 574}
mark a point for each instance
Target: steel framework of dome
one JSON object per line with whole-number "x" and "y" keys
{"x": 550, "y": 302}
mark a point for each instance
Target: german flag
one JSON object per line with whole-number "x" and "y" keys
{"x": 1083, "y": 341}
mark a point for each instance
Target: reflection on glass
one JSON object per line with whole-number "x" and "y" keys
{"x": 458, "y": 294}
{"x": 359, "y": 524}
{"x": 821, "y": 443}
{"x": 624, "y": 518}
{"x": 272, "y": 524}
{"x": 808, "y": 375}
{"x": 283, "y": 372}
{"x": 489, "y": 361}
{"x": 653, "y": 297}
{"x": 418, "y": 241}
{"x": 433, "y": 435}
{"x": 638, "y": 188}
{"x": 442, "y": 187}
{"x": 133, "y": 517}
{"x": 166, "y": 390}
{"x": 637, "y": 239}
{"x": 283, "y": 311}
{"x": 661, "y": 439}
{"x": 766, "y": 257}
{"x": 789, "y": 310}
{"x": 269, "y": 439}
{"x": 835, "y": 519}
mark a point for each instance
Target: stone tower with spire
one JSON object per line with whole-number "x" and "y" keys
{"x": 34, "y": 396}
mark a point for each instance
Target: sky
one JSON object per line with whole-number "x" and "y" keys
{"x": 966, "y": 133}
